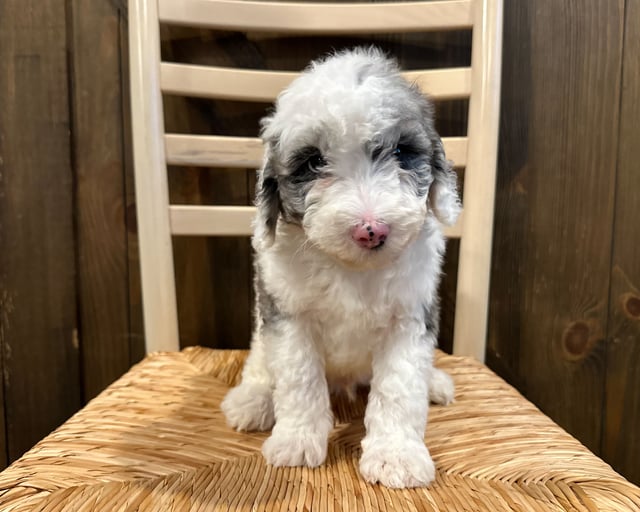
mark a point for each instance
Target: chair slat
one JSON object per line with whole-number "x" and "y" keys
{"x": 264, "y": 86}
{"x": 318, "y": 18}
{"x": 213, "y": 151}
{"x": 232, "y": 221}
{"x": 442, "y": 84}
{"x": 247, "y": 153}
{"x": 211, "y": 220}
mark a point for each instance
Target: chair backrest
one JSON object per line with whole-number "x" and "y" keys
{"x": 154, "y": 149}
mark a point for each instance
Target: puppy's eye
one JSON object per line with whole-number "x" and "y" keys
{"x": 404, "y": 151}
{"x": 407, "y": 157}
{"x": 307, "y": 165}
{"x": 316, "y": 162}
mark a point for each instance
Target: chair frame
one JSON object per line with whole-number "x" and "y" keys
{"x": 154, "y": 149}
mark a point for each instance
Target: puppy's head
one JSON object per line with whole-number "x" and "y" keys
{"x": 352, "y": 157}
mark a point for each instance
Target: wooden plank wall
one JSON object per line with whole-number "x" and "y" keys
{"x": 550, "y": 274}
{"x": 38, "y": 322}
{"x": 621, "y": 442}
{"x": 565, "y": 300}
{"x": 101, "y": 192}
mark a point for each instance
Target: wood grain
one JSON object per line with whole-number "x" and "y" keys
{"x": 100, "y": 194}
{"x": 37, "y": 279}
{"x": 247, "y": 152}
{"x": 554, "y": 212}
{"x": 264, "y": 86}
{"x": 621, "y": 441}
{"x": 318, "y": 18}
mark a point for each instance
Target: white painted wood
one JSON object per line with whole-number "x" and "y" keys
{"x": 152, "y": 194}
{"x": 233, "y": 221}
{"x": 318, "y": 18}
{"x": 214, "y": 151}
{"x": 472, "y": 300}
{"x": 456, "y": 150}
{"x": 212, "y": 220}
{"x": 264, "y": 86}
{"x": 442, "y": 84}
{"x": 223, "y": 83}
{"x": 247, "y": 152}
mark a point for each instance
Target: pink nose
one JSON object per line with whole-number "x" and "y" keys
{"x": 370, "y": 235}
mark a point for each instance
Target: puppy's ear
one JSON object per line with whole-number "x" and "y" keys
{"x": 443, "y": 194}
{"x": 267, "y": 198}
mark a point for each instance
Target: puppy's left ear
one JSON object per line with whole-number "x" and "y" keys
{"x": 443, "y": 194}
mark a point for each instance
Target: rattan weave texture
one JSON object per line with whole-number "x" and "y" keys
{"x": 156, "y": 441}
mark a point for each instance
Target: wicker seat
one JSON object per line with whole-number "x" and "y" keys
{"x": 156, "y": 441}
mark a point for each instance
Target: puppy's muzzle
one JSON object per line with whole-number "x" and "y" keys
{"x": 370, "y": 234}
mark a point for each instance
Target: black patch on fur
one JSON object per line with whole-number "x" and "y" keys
{"x": 442, "y": 169}
{"x": 268, "y": 312}
{"x": 432, "y": 317}
{"x": 306, "y": 164}
{"x": 409, "y": 157}
{"x": 268, "y": 199}
{"x": 443, "y": 173}
{"x": 413, "y": 157}
{"x": 439, "y": 162}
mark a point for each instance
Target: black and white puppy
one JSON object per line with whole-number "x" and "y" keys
{"x": 348, "y": 238}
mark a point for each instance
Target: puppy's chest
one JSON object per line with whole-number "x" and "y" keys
{"x": 347, "y": 313}
{"x": 354, "y": 303}
{"x": 347, "y": 320}
{"x": 346, "y": 338}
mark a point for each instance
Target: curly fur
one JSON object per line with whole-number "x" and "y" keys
{"x": 349, "y": 141}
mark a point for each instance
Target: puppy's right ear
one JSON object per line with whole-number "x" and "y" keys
{"x": 268, "y": 198}
{"x": 443, "y": 195}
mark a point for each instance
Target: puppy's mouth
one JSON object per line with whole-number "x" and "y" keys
{"x": 372, "y": 246}
{"x": 376, "y": 255}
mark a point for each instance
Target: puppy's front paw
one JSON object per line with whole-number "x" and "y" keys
{"x": 293, "y": 448}
{"x": 396, "y": 463}
{"x": 441, "y": 387}
{"x": 249, "y": 407}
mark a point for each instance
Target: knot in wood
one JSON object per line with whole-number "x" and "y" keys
{"x": 575, "y": 340}
{"x": 631, "y": 306}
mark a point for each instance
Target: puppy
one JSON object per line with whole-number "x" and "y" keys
{"x": 348, "y": 245}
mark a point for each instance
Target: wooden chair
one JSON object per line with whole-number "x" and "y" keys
{"x": 156, "y": 439}
{"x": 154, "y": 149}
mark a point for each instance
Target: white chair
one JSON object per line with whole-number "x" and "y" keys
{"x": 154, "y": 149}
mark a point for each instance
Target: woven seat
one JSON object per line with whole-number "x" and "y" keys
{"x": 156, "y": 440}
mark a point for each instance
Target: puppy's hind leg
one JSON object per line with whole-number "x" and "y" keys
{"x": 249, "y": 406}
{"x": 441, "y": 387}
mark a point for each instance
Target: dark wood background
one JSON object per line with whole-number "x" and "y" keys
{"x": 565, "y": 298}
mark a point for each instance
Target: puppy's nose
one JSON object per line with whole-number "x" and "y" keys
{"x": 370, "y": 234}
